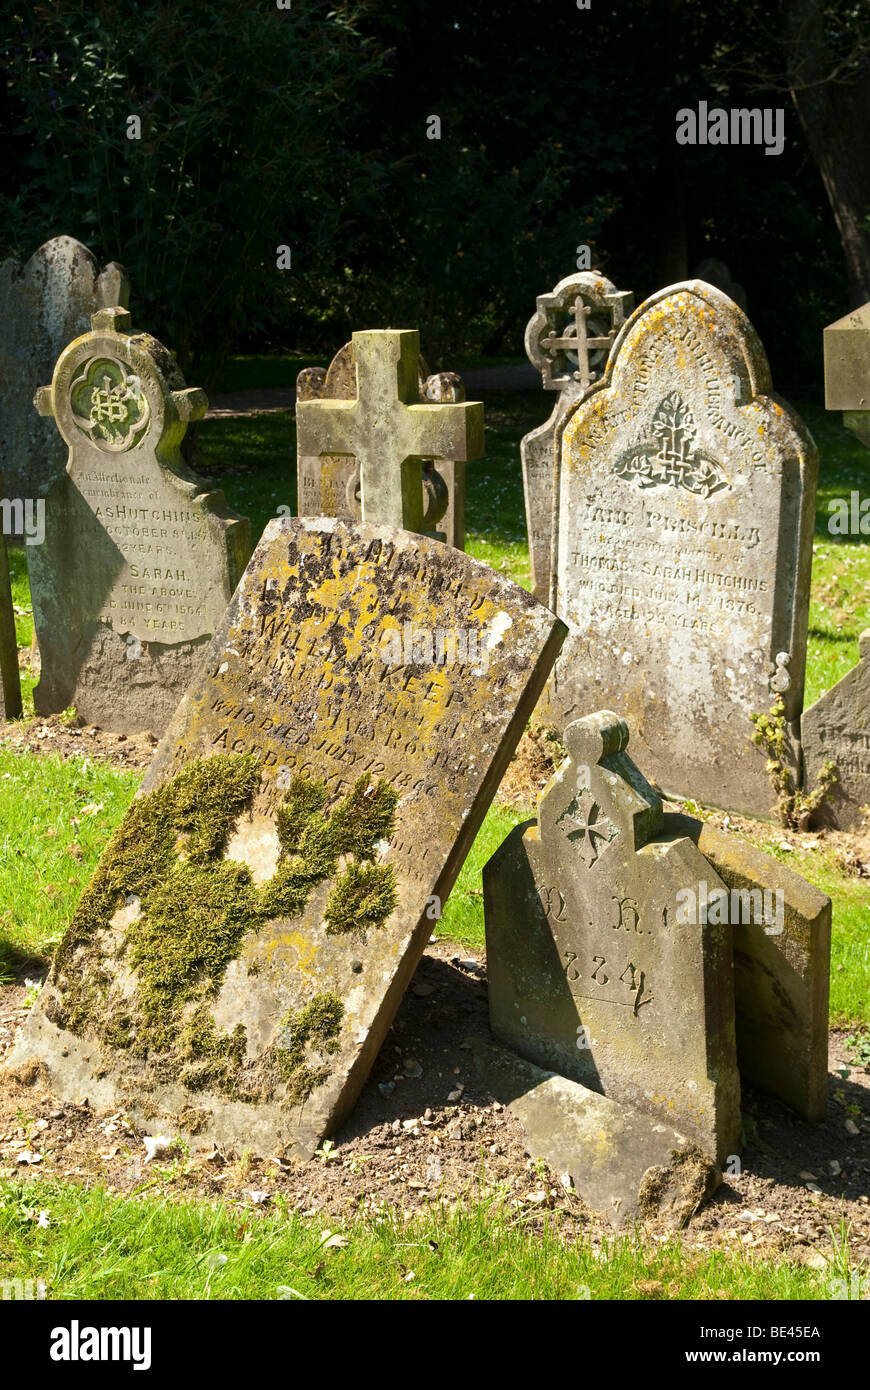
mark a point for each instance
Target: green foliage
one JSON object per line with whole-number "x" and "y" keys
{"x": 795, "y": 808}
{"x": 244, "y": 112}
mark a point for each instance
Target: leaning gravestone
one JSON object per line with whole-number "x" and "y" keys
{"x": 568, "y": 340}
{"x": 365, "y": 428}
{"x": 837, "y": 729}
{"x": 592, "y": 973}
{"x": 683, "y": 525}
{"x": 329, "y": 484}
{"x": 138, "y": 562}
{"x": 237, "y": 958}
{"x": 782, "y": 961}
{"x": 10, "y": 679}
{"x": 44, "y": 304}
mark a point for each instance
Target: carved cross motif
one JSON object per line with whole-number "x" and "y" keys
{"x": 575, "y": 338}
{"x": 586, "y": 826}
{"x": 672, "y": 458}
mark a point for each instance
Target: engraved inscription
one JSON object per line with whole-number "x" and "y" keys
{"x": 109, "y": 405}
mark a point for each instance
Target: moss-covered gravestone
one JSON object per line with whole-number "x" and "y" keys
{"x": 684, "y": 513}
{"x": 378, "y": 438}
{"x": 44, "y": 304}
{"x": 236, "y": 960}
{"x": 836, "y": 729}
{"x": 139, "y": 560}
{"x": 568, "y": 339}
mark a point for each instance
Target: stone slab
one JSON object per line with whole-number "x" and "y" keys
{"x": 591, "y": 972}
{"x": 44, "y": 304}
{"x": 139, "y": 560}
{"x": 239, "y": 955}
{"x": 622, "y": 1163}
{"x": 837, "y": 729}
{"x": 683, "y": 547}
{"x": 782, "y": 964}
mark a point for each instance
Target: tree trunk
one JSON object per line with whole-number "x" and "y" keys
{"x": 835, "y": 116}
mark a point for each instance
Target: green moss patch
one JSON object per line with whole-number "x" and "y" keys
{"x": 185, "y": 914}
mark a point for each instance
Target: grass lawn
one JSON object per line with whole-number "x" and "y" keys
{"x": 97, "y": 1246}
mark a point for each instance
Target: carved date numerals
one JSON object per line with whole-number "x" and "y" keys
{"x": 632, "y": 979}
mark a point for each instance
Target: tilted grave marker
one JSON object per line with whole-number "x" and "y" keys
{"x": 387, "y": 432}
{"x": 684, "y": 516}
{"x": 139, "y": 561}
{"x": 568, "y": 340}
{"x": 237, "y": 959}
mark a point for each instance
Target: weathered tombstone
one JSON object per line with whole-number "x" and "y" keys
{"x": 592, "y": 973}
{"x": 236, "y": 961}
{"x": 44, "y": 304}
{"x": 329, "y": 484}
{"x": 367, "y": 416}
{"x": 847, "y": 370}
{"x": 782, "y": 960}
{"x": 138, "y": 562}
{"x": 10, "y": 678}
{"x": 837, "y": 729}
{"x": 568, "y": 340}
{"x": 683, "y": 525}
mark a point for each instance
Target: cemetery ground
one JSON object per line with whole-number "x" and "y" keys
{"x": 427, "y": 1191}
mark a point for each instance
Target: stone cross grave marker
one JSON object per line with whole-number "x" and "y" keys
{"x": 44, "y": 304}
{"x": 683, "y": 526}
{"x": 847, "y": 370}
{"x": 837, "y": 729}
{"x": 387, "y": 430}
{"x": 139, "y": 561}
{"x": 10, "y": 678}
{"x": 246, "y": 940}
{"x": 591, "y": 973}
{"x": 329, "y": 484}
{"x": 568, "y": 340}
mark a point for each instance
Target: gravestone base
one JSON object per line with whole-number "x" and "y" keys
{"x": 122, "y": 686}
{"x": 622, "y": 1163}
